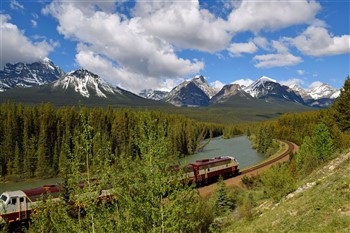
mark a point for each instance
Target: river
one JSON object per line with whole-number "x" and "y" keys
{"x": 238, "y": 147}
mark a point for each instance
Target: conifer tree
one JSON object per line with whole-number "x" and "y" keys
{"x": 42, "y": 153}
{"x": 342, "y": 107}
{"x": 222, "y": 202}
{"x": 17, "y": 163}
{"x": 322, "y": 143}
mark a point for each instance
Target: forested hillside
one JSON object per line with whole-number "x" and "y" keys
{"x": 38, "y": 141}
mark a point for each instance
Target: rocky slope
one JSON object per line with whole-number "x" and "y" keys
{"x": 29, "y": 75}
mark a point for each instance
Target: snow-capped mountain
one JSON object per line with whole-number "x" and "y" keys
{"x": 187, "y": 94}
{"x": 85, "y": 83}
{"x": 268, "y": 89}
{"x": 200, "y": 81}
{"x": 193, "y": 93}
{"x": 153, "y": 94}
{"x": 260, "y": 87}
{"x": 322, "y": 95}
{"x": 320, "y": 91}
{"x": 77, "y": 87}
{"x": 28, "y": 75}
{"x": 229, "y": 91}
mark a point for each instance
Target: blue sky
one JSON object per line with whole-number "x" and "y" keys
{"x": 155, "y": 44}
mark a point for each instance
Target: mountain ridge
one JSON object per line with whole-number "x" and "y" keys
{"x": 190, "y": 93}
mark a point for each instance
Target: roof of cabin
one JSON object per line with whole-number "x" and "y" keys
{"x": 203, "y": 162}
{"x": 17, "y": 193}
{"x": 42, "y": 190}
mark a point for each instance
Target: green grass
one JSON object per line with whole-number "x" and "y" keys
{"x": 323, "y": 208}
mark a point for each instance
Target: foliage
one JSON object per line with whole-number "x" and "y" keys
{"x": 251, "y": 181}
{"x": 144, "y": 197}
{"x": 221, "y": 200}
{"x": 315, "y": 150}
{"x": 277, "y": 181}
{"x": 44, "y": 138}
{"x": 341, "y": 107}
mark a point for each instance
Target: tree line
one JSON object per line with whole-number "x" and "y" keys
{"x": 39, "y": 141}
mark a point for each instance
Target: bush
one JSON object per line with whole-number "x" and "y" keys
{"x": 278, "y": 181}
{"x": 251, "y": 181}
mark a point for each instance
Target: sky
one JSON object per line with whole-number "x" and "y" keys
{"x": 158, "y": 44}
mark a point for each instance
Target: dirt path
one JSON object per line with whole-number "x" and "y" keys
{"x": 236, "y": 181}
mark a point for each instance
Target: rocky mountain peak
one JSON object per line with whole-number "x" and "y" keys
{"x": 29, "y": 74}
{"x": 85, "y": 83}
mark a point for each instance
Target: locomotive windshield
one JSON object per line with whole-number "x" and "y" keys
{"x": 3, "y": 198}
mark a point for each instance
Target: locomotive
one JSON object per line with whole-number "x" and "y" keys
{"x": 206, "y": 171}
{"x": 16, "y": 206}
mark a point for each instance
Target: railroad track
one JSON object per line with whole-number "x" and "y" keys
{"x": 236, "y": 181}
{"x": 286, "y": 153}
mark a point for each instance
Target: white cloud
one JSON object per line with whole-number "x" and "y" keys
{"x": 282, "y": 58}
{"x": 128, "y": 51}
{"x": 243, "y": 82}
{"x": 16, "y": 5}
{"x": 236, "y": 49}
{"x": 301, "y": 72}
{"x": 34, "y": 23}
{"x": 292, "y": 82}
{"x": 315, "y": 84}
{"x": 276, "y": 60}
{"x": 279, "y": 47}
{"x": 14, "y": 39}
{"x": 271, "y": 14}
{"x": 316, "y": 41}
{"x": 183, "y": 24}
{"x": 125, "y": 79}
{"x": 217, "y": 84}
{"x": 261, "y": 42}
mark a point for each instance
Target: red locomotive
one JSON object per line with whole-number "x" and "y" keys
{"x": 208, "y": 170}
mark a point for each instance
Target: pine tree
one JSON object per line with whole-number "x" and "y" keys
{"x": 342, "y": 107}
{"x": 222, "y": 202}
{"x": 322, "y": 143}
{"x": 17, "y": 163}
{"x": 42, "y": 165}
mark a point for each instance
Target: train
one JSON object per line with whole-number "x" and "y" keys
{"x": 206, "y": 171}
{"x": 16, "y": 206}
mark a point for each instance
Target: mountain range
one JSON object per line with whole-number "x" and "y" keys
{"x": 45, "y": 82}
{"x": 197, "y": 92}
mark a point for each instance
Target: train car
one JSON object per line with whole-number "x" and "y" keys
{"x": 16, "y": 206}
{"x": 209, "y": 170}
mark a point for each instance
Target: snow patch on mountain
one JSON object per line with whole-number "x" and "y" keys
{"x": 153, "y": 94}
{"x": 322, "y": 91}
{"x": 258, "y": 86}
{"x": 84, "y": 82}
{"x": 29, "y": 75}
{"x": 202, "y": 83}
{"x": 317, "y": 91}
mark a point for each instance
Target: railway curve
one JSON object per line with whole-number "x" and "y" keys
{"x": 254, "y": 170}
